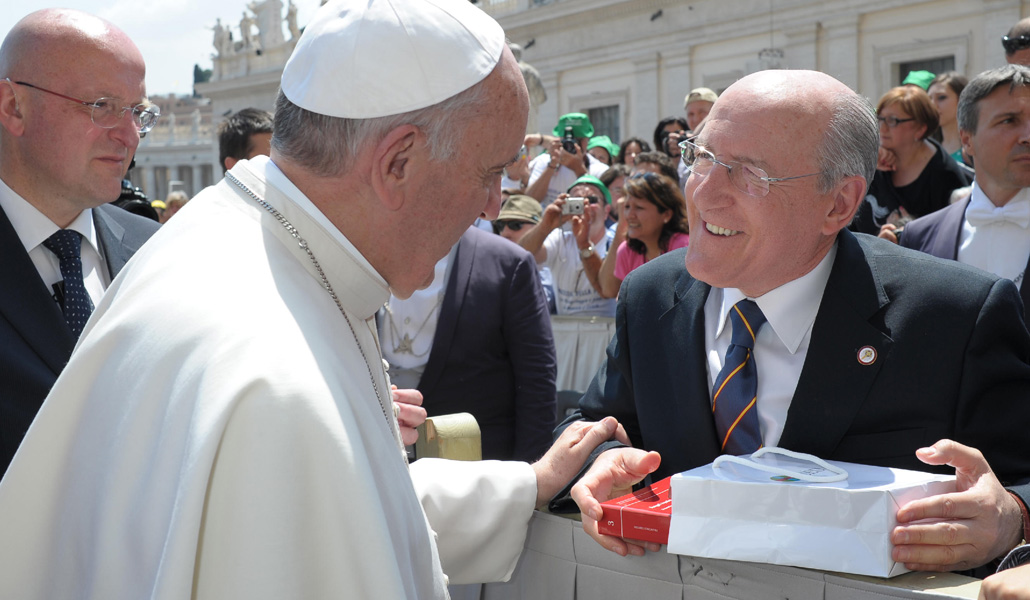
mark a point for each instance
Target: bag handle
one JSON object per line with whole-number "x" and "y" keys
{"x": 839, "y": 474}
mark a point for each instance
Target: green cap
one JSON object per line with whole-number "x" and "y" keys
{"x": 920, "y": 78}
{"x": 580, "y": 123}
{"x": 591, "y": 180}
{"x": 599, "y": 140}
{"x": 603, "y": 141}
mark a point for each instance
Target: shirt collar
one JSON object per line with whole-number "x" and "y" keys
{"x": 33, "y": 227}
{"x": 355, "y": 282}
{"x": 789, "y": 309}
{"x": 979, "y": 199}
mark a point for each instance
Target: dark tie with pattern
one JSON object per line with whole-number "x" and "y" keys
{"x": 77, "y": 306}
{"x": 735, "y": 393}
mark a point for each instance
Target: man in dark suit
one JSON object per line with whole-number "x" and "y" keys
{"x": 63, "y": 154}
{"x": 810, "y": 338}
{"x": 492, "y": 353}
{"x": 989, "y": 229}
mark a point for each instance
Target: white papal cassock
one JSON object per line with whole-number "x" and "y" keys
{"x": 217, "y": 434}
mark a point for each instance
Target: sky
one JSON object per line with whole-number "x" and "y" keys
{"x": 173, "y": 35}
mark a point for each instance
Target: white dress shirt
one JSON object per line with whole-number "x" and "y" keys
{"x": 781, "y": 344}
{"x": 415, "y": 318}
{"x": 33, "y": 228}
{"x": 1000, "y": 246}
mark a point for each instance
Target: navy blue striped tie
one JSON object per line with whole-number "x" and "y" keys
{"x": 77, "y": 305}
{"x": 735, "y": 395}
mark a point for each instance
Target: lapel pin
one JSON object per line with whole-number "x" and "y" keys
{"x": 867, "y": 355}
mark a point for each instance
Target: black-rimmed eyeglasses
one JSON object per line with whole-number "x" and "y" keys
{"x": 893, "y": 122}
{"x": 749, "y": 179}
{"x": 106, "y": 112}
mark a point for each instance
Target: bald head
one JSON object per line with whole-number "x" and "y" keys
{"x": 810, "y": 93}
{"x": 34, "y": 41}
{"x": 816, "y": 112}
{"x": 1017, "y": 43}
{"x": 51, "y": 152}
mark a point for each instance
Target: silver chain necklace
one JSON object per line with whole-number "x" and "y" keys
{"x": 325, "y": 281}
{"x": 407, "y": 343}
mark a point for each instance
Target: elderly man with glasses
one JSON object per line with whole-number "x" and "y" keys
{"x": 72, "y": 110}
{"x": 847, "y": 346}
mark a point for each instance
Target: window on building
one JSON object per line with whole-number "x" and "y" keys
{"x": 933, "y": 65}
{"x": 605, "y": 120}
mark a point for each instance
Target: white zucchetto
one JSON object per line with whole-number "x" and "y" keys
{"x": 362, "y": 59}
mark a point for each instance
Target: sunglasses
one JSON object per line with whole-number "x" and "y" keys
{"x": 513, "y": 225}
{"x": 1014, "y": 44}
{"x": 593, "y": 199}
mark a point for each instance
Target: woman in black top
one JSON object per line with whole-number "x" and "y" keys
{"x": 915, "y": 176}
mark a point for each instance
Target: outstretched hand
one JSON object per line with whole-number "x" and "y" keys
{"x": 569, "y": 453}
{"x": 613, "y": 474}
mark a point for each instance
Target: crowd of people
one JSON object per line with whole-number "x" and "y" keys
{"x": 201, "y": 451}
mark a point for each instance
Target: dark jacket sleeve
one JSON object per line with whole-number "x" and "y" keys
{"x": 527, "y": 332}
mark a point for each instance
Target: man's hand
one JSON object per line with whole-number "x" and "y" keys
{"x": 519, "y": 170}
{"x": 410, "y": 413}
{"x": 569, "y": 453}
{"x": 1011, "y": 584}
{"x": 581, "y": 225}
{"x": 976, "y": 524}
{"x": 613, "y": 474}
{"x": 553, "y": 217}
{"x": 888, "y": 231}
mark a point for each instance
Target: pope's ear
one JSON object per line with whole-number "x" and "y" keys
{"x": 393, "y": 162}
{"x": 847, "y": 196}
{"x": 10, "y": 113}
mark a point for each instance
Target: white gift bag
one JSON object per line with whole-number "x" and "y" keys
{"x": 786, "y": 508}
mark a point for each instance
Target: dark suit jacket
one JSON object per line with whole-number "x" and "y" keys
{"x": 939, "y": 233}
{"x": 493, "y": 352}
{"x": 953, "y": 362}
{"x": 35, "y": 341}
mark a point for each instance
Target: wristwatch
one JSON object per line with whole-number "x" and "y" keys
{"x": 587, "y": 252}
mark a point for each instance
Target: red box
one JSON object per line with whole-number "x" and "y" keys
{"x": 643, "y": 515}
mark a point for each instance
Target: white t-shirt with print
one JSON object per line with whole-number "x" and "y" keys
{"x": 573, "y": 294}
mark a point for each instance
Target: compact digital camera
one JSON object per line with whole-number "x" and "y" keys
{"x": 573, "y": 206}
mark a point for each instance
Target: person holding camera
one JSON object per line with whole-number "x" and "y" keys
{"x": 669, "y": 132}
{"x": 574, "y": 255}
{"x": 565, "y": 159}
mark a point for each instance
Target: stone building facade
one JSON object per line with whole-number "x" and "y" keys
{"x": 629, "y": 63}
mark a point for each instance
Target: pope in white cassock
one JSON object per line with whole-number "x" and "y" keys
{"x": 225, "y": 427}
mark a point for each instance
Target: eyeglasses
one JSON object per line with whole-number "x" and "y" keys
{"x": 749, "y": 179}
{"x": 893, "y": 122}
{"x": 593, "y": 199}
{"x": 513, "y": 225}
{"x": 106, "y": 113}
{"x": 1014, "y": 44}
